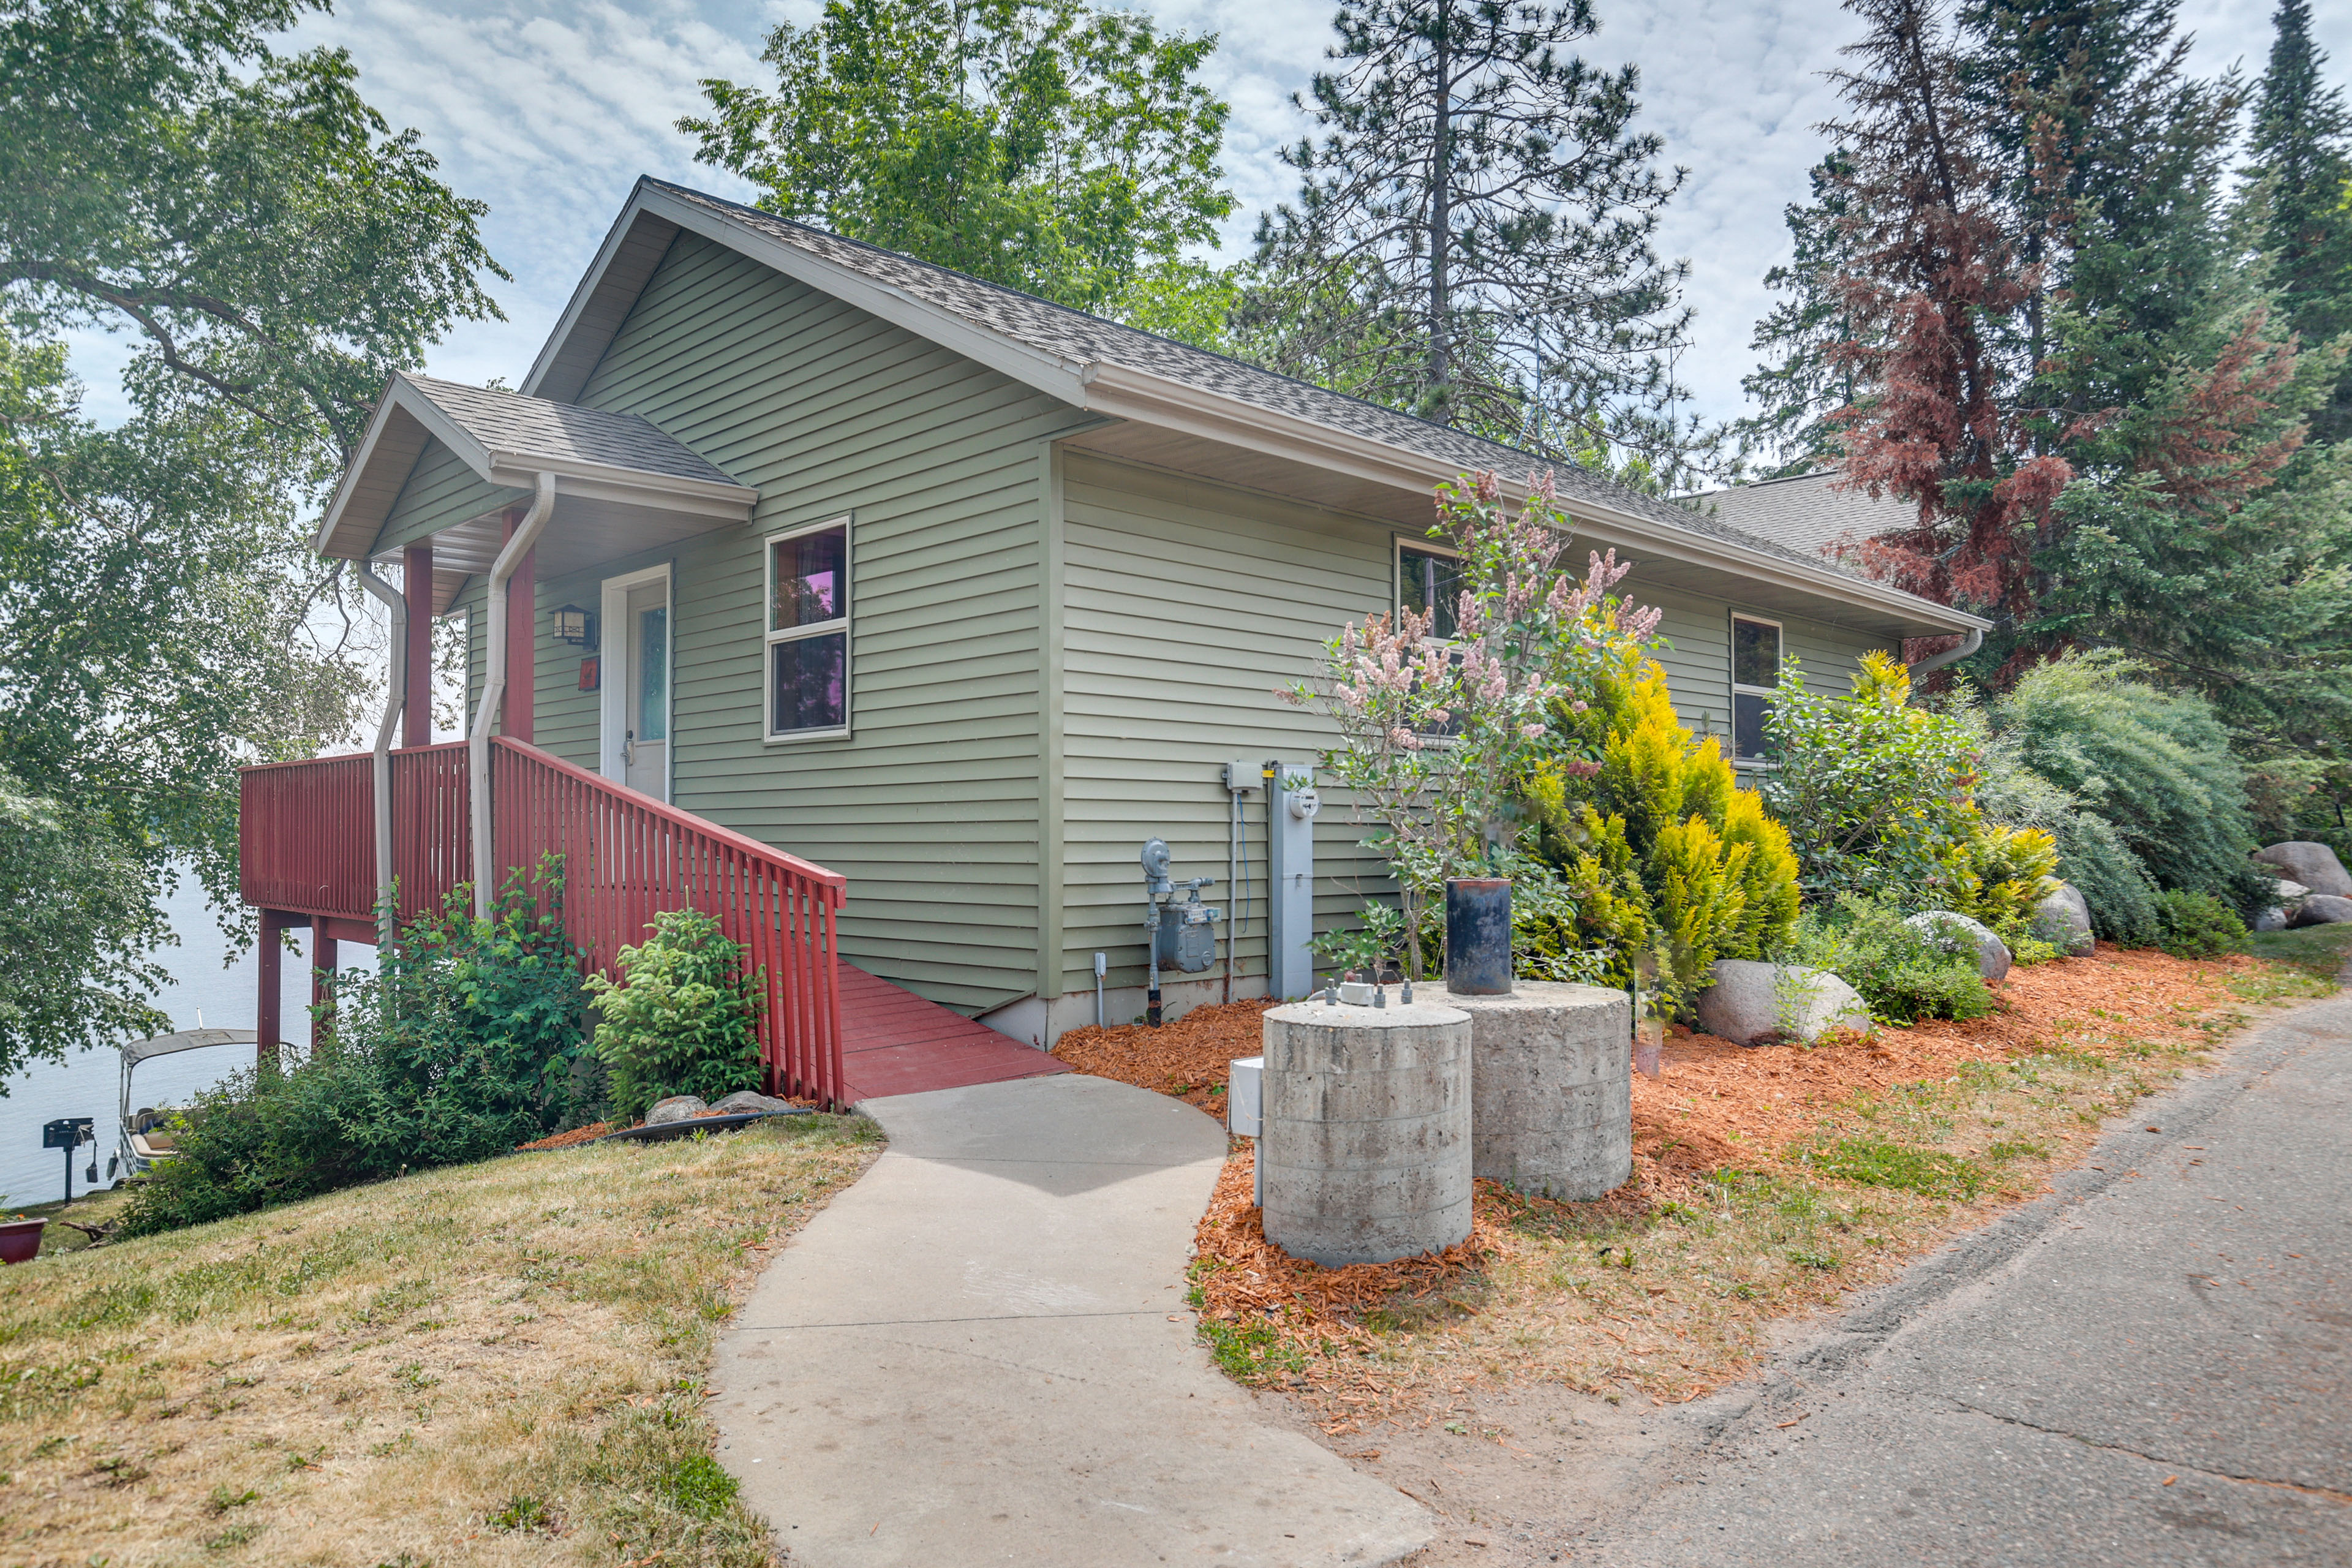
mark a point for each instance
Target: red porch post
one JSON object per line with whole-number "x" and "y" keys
{"x": 322, "y": 964}
{"x": 416, "y": 585}
{"x": 266, "y": 1026}
{"x": 522, "y": 643}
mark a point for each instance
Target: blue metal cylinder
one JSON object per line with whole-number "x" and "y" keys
{"x": 1479, "y": 936}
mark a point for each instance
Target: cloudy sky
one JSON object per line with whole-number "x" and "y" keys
{"x": 548, "y": 112}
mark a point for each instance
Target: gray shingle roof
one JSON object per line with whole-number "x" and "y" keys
{"x": 533, "y": 427}
{"x": 1807, "y": 514}
{"x": 1085, "y": 339}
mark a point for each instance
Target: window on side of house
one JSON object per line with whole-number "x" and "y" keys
{"x": 1755, "y": 670}
{"x": 808, "y": 632}
{"x": 1430, "y": 576}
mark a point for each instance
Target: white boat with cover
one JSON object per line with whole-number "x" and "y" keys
{"x": 146, "y": 1138}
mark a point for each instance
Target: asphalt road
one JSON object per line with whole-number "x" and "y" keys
{"x": 2150, "y": 1367}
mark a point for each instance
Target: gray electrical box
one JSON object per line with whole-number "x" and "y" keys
{"x": 1290, "y": 808}
{"x": 1186, "y": 936}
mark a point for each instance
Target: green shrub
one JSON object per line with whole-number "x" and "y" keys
{"x": 683, "y": 1019}
{"x": 2154, "y": 764}
{"x": 464, "y": 1042}
{"x": 1659, "y": 850}
{"x": 1879, "y": 799}
{"x": 1903, "y": 972}
{"x": 2197, "y": 925}
{"x": 2122, "y": 896}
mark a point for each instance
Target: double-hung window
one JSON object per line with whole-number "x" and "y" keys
{"x": 1430, "y": 580}
{"x": 808, "y": 632}
{"x": 1755, "y": 671}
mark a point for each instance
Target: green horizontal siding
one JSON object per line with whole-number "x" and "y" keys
{"x": 440, "y": 492}
{"x": 931, "y": 808}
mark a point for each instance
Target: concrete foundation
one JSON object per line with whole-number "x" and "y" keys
{"x": 1364, "y": 1149}
{"x": 1552, "y": 1088}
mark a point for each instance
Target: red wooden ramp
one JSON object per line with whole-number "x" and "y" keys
{"x": 894, "y": 1042}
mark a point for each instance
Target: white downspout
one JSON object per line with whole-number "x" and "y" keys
{"x": 395, "y": 698}
{"x": 494, "y": 688}
{"x": 1935, "y": 661}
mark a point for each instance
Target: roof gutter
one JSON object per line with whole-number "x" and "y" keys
{"x": 494, "y": 687}
{"x": 395, "y": 698}
{"x": 1935, "y": 661}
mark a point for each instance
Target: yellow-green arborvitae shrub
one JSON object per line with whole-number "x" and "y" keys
{"x": 1666, "y": 853}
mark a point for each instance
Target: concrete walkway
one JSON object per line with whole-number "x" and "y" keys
{"x": 979, "y": 1354}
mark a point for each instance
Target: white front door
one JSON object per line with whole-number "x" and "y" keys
{"x": 635, "y": 677}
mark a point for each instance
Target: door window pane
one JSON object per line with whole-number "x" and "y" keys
{"x": 1755, "y": 653}
{"x": 1426, "y": 578}
{"x": 810, "y": 579}
{"x": 652, "y": 674}
{"x": 812, "y": 691}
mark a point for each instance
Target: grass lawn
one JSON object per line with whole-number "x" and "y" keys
{"x": 1768, "y": 1183}
{"x": 491, "y": 1363}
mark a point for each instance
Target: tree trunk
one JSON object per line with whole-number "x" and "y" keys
{"x": 1441, "y": 190}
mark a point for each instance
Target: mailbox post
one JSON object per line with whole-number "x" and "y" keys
{"x": 69, "y": 1133}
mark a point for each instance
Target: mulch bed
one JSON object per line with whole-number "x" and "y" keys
{"x": 1716, "y": 1104}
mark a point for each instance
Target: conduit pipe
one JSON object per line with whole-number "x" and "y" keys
{"x": 1935, "y": 661}
{"x": 494, "y": 688}
{"x": 397, "y": 604}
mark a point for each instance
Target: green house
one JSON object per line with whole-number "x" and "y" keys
{"x": 965, "y": 595}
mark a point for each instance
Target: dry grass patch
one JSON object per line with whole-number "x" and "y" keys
{"x": 1767, "y": 1182}
{"x": 493, "y": 1364}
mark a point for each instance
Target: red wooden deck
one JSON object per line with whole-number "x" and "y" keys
{"x": 894, "y": 1042}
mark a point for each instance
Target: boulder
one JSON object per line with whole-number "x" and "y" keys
{"x": 2062, "y": 918}
{"x": 1753, "y": 1003}
{"x": 2270, "y": 920}
{"x": 677, "y": 1107}
{"x": 2322, "y": 910}
{"x": 2290, "y": 893}
{"x": 744, "y": 1101}
{"x": 1992, "y": 952}
{"x": 2314, "y": 864}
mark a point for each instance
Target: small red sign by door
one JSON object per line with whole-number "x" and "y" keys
{"x": 590, "y": 673}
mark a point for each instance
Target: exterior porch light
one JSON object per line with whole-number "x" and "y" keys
{"x": 575, "y": 626}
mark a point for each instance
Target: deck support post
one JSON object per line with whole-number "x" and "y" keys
{"x": 323, "y": 965}
{"x": 267, "y": 1024}
{"x": 416, "y": 586}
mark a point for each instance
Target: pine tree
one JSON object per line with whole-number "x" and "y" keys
{"x": 1805, "y": 382}
{"x": 1472, "y": 237}
{"x": 2302, "y": 181}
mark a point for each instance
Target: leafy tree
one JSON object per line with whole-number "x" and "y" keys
{"x": 2301, "y": 162}
{"x": 1472, "y": 237}
{"x": 273, "y": 253}
{"x": 1042, "y": 144}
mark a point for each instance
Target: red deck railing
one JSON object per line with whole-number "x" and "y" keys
{"x": 306, "y": 833}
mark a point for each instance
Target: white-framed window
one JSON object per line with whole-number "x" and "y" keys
{"x": 1755, "y": 671}
{"x": 1430, "y": 576}
{"x": 807, "y": 633}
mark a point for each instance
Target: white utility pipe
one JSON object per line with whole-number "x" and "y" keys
{"x": 494, "y": 687}
{"x": 1935, "y": 661}
{"x": 395, "y": 698}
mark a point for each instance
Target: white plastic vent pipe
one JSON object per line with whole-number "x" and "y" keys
{"x": 494, "y": 688}
{"x": 395, "y": 698}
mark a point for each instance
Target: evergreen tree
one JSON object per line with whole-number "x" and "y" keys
{"x": 2302, "y": 188}
{"x": 1472, "y": 237}
{"x": 1806, "y": 382}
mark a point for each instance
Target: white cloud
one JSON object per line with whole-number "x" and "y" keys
{"x": 550, "y": 113}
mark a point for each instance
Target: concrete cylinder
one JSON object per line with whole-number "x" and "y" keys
{"x": 1364, "y": 1147}
{"x": 1552, "y": 1088}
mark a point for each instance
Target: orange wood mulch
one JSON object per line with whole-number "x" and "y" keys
{"x": 1715, "y": 1104}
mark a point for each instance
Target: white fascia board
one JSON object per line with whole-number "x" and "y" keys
{"x": 589, "y": 283}
{"x": 1154, "y": 400}
{"x": 399, "y": 393}
{"x": 636, "y": 487}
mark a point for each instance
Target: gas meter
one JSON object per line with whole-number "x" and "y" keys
{"x": 1182, "y": 930}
